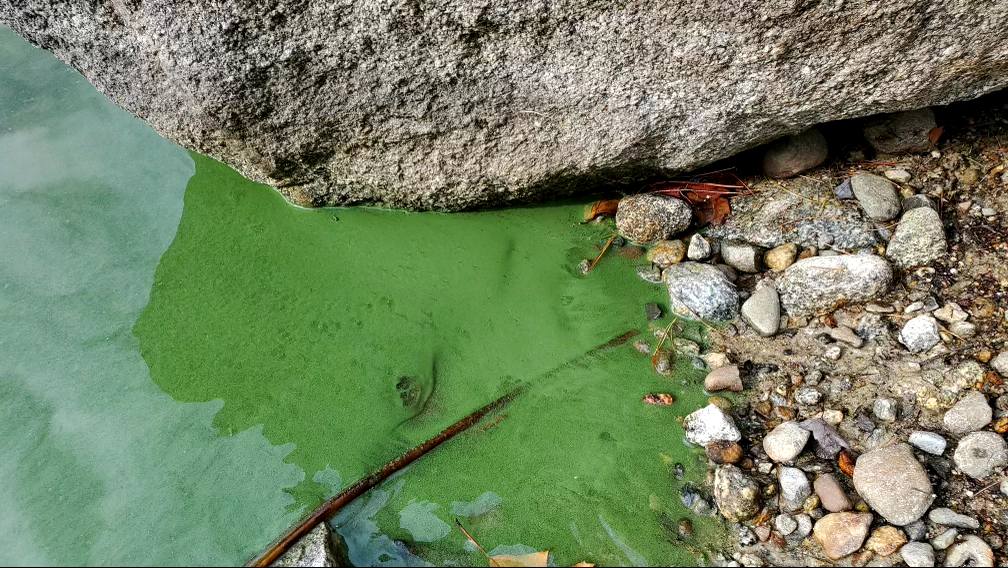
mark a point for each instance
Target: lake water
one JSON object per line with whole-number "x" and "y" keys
{"x": 188, "y": 364}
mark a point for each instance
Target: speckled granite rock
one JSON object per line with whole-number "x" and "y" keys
{"x": 460, "y": 103}
{"x": 821, "y": 283}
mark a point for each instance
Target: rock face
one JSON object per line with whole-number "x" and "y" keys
{"x": 893, "y": 483}
{"x": 822, "y": 283}
{"x": 463, "y": 103}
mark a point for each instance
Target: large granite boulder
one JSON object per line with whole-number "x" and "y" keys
{"x": 465, "y": 103}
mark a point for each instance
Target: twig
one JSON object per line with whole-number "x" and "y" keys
{"x": 458, "y": 523}
{"x": 326, "y": 510}
{"x": 599, "y": 257}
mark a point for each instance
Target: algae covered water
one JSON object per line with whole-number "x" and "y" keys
{"x": 189, "y": 363}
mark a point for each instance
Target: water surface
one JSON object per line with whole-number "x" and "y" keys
{"x": 189, "y": 363}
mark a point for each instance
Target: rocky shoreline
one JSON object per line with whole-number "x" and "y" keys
{"x": 862, "y": 326}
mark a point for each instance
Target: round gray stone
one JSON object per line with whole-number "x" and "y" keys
{"x": 649, "y": 217}
{"x": 981, "y": 454}
{"x": 893, "y": 483}
{"x": 920, "y": 334}
{"x": 877, "y": 196}
{"x": 762, "y": 311}
{"x": 701, "y": 291}
{"x": 823, "y": 283}
{"x": 970, "y": 414}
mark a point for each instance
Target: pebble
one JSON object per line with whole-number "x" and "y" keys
{"x": 846, "y": 335}
{"x": 963, "y": 329}
{"x": 920, "y": 334}
{"x": 791, "y": 155}
{"x": 1004, "y": 487}
{"x": 762, "y": 311}
{"x": 918, "y": 554}
{"x": 700, "y": 248}
{"x": 917, "y": 200}
{"x": 724, "y": 452}
{"x": 831, "y": 494}
{"x": 715, "y": 360}
{"x": 701, "y": 291}
{"x": 833, "y": 353}
{"x": 877, "y": 196}
{"x": 970, "y": 414}
{"x": 794, "y": 488}
{"x": 929, "y": 442}
{"x": 944, "y": 539}
{"x": 786, "y": 441}
{"x": 649, "y": 217}
{"x": 981, "y": 454}
{"x": 822, "y": 283}
{"x": 841, "y": 534}
{"x": 949, "y": 518}
{"x": 916, "y": 530}
{"x": 893, "y": 483}
{"x": 886, "y": 540}
{"x": 781, "y": 257}
{"x": 710, "y": 424}
{"x": 1000, "y": 363}
{"x": 736, "y": 494}
{"x": 899, "y": 132}
{"x": 725, "y": 378}
{"x": 970, "y": 551}
{"x": 742, "y": 256}
{"x": 951, "y": 312}
{"x": 667, "y": 253}
{"x": 919, "y": 239}
{"x": 785, "y": 524}
{"x": 832, "y": 417}
{"x": 897, "y": 175}
{"x": 885, "y": 409}
{"x": 808, "y": 395}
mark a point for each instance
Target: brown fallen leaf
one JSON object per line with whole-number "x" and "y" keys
{"x": 935, "y": 134}
{"x": 659, "y": 399}
{"x": 540, "y": 558}
{"x": 846, "y": 463}
{"x": 602, "y": 208}
{"x": 709, "y": 197}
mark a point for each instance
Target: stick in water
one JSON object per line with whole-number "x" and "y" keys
{"x": 327, "y": 510}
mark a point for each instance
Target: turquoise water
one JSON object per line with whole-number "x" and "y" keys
{"x": 188, "y": 363}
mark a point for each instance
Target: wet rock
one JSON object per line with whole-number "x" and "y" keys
{"x": 893, "y": 483}
{"x": 970, "y": 414}
{"x": 648, "y": 217}
{"x": 831, "y": 494}
{"x": 650, "y": 274}
{"x": 920, "y": 334}
{"x": 700, "y": 248}
{"x": 918, "y": 554}
{"x": 949, "y": 518}
{"x": 314, "y": 549}
{"x": 652, "y": 311}
{"x": 724, "y": 452}
{"x": 900, "y": 132}
{"x": 794, "y": 488}
{"x": 919, "y": 239}
{"x": 806, "y": 214}
{"x": 786, "y": 441}
{"x": 701, "y": 291}
{"x": 736, "y": 494}
{"x": 695, "y": 501}
{"x": 886, "y": 540}
{"x": 841, "y": 534}
{"x": 981, "y": 454}
{"x": 762, "y": 311}
{"x": 667, "y": 253}
{"x": 820, "y": 284}
{"x": 877, "y": 196}
{"x": 685, "y": 529}
{"x": 742, "y": 256}
{"x": 710, "y": 424}
{"x": 792, "y": 155}
{"x": 970, "y": 551}
{"x": 725, "y": 378}
{"x": 929, "y": 442}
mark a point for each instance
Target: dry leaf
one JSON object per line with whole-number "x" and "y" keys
{"x": 935, "y": 134}
{"x": 603, "y": 208}
{"x": 846, "y": 463}
{"x": 709, "y": 198}
{"x": 659, "y": 399}
{"x": 535, "y": 559}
